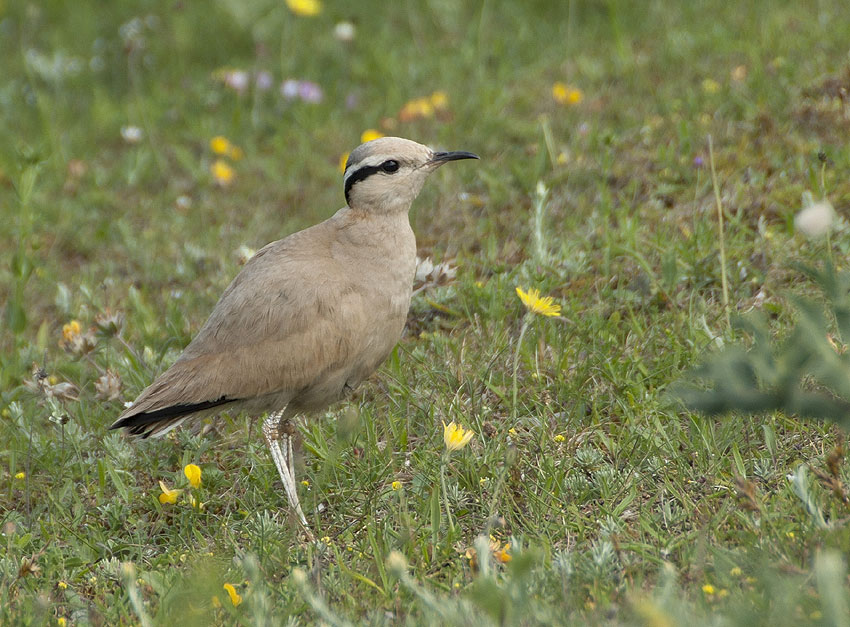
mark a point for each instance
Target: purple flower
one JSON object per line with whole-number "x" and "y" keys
{"x": 263, "y": 80}
{"x": 310, "y": 92}
{"x": 352, "y": 100}
{"x": 698, "y": 162}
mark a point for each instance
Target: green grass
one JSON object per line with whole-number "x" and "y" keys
{"x": 619, "y": 506}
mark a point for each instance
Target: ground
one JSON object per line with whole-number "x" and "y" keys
{"x": 146, "y": 149}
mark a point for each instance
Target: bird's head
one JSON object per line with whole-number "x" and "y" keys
{"x": 386, "y": 174}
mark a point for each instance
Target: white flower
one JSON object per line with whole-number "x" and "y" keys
{"x": 344, "y": 31}
{"x": 289, "y": 89}
{"x": 237, "y": 80}
{"x": 424, "y": 268}
{"x": 131, "y": 134}
{"x": 244, "y": 254}
{"x": 816, "y": 219}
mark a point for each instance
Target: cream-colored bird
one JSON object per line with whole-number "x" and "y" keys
{"x": 309, "y": 317}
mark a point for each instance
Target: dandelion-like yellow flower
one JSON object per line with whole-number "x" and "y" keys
{"x": 343, "y": 160}
{"x": 566, "y": 95}
{"x": 418, "y": 108}
{"x": 220, "y": 145}
{"x": 532, "y": 300}
{"x": 708, "y": 589}
{"x": 168, "y": 495}
{"x": 369, "y": 134}
{"x": 193, "y": 474}
{"x": 235, "y": 597}
{"x": 305, "y": 483}
{"x": 439, "y": 100}
{"x": 20, "y": 475}
{"x": 396, "y": 485}
{"x": 305, "y": 8}
{"x": 455, "y": 436}
{"x": 222, "y": 172}
{"x": 61, "y": 621}
{"x": 71, "y": 330}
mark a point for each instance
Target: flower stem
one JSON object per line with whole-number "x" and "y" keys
{"x": 723, "y": 281}
{"x": 525, "y": 323}
{"x": 446, "y": 493}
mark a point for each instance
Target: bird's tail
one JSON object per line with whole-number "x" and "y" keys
{"x": 158, "y": 422}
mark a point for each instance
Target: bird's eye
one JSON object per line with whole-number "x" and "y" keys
{"x": 390, "y": 166}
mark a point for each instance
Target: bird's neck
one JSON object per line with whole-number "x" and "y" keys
{"x": 385, "y": 236}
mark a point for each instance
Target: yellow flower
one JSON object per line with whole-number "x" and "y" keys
{"x": 455, "y": 436}
{"x": 62, "y": 585}
{"x": 216, "y": 603}
{"x": 369, "y": 134}
{"x": 535, "y": 304}
{"x": 736, "y": 572}
{"x": 235, "y": 153}
{"x": 326, "y": 539}
{"x": 193, "y": 474}
{"x": 396, "y": 485}
{"x": 220, "y": 145}
{"x": 418, "y": 108}
{"x": 710, "y": 86}
{"x": 722, "y": 593}
{"x": 305, "y": 483}
{"x": 439, "y": 100}
{"x": 559, "y": 438}
{"x": 168, "y": 496}
{"x": 305, "y": 8}
{"x": 343, "y": 160}
{"x": 196, "y": 504}
{"x": 566, "y": 95}
{"x": 235, "y": 598}
{"x": 501, "y": 554}
{"x": 222, "y": 173}
{"x": 61, "y": 621}
{"x": 21, "y": 475}
{"x": 70, "y": 330}
{"x": 708, "y": 589}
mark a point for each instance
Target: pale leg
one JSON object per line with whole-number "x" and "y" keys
{"x": 279, "y": 439}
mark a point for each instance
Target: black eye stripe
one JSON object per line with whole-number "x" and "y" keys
{"x": 365, "y": 172}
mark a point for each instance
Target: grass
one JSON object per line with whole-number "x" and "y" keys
{"x": 619, "y": 506}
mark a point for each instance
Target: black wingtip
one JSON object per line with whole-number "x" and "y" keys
{"x": 140, "y": 424}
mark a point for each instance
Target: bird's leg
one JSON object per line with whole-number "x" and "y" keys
{"x": 279, "y": 440}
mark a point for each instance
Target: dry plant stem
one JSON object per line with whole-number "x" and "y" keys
{"x": 723, "y": 281}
